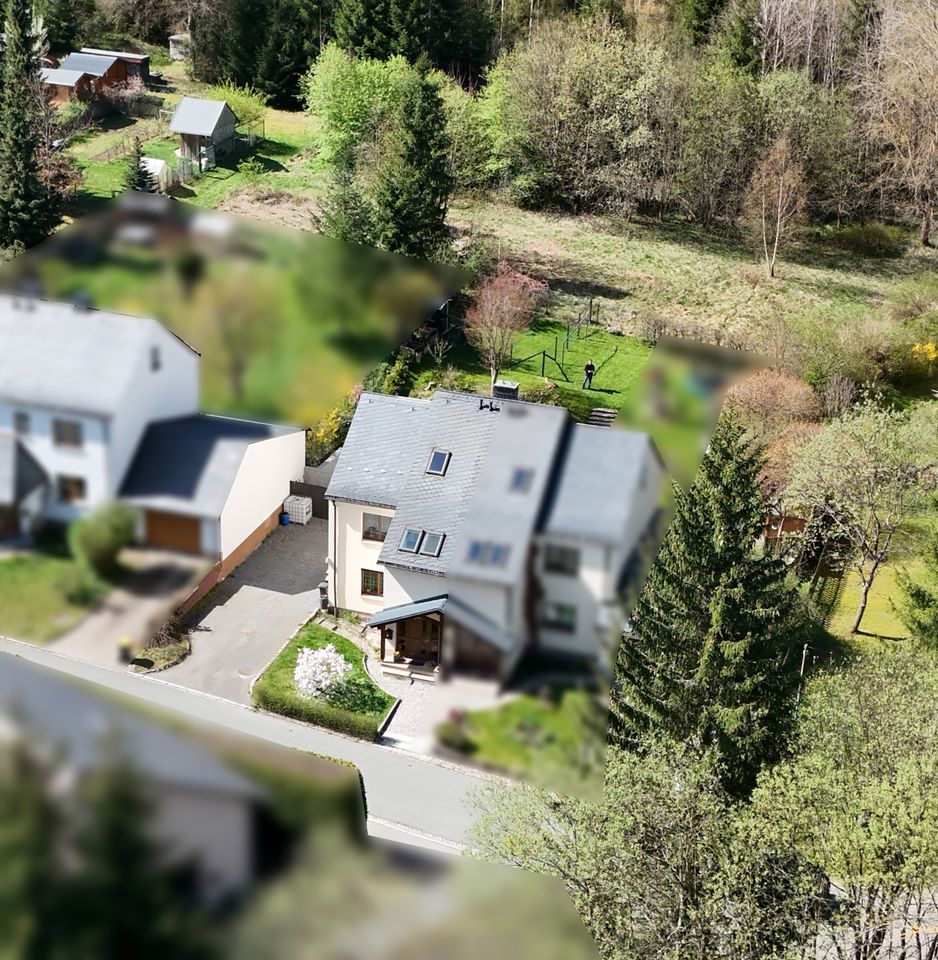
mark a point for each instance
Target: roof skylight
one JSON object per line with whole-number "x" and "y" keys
{"x": 439, "y": 461}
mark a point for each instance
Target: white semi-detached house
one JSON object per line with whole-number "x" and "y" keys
{"x": 98, "y": 406}
{"x": 473, "y": 532}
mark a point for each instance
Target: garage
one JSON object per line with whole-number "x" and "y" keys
{"x": 170, "y": 531}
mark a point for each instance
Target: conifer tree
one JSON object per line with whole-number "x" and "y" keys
{"x": 712, "y": 654}
{"x": 126, "y": 900}
{"x": 29, "y": 883}
{"x": 363, "y": 27}
{"x": 26, "y": 213}
{"x": 347, "y": 213}
{"x": 136, "y": 176}
{"x": 413, "y": 184}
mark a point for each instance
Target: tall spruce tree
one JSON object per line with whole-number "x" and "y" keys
{"x": 363, "y": 27}
{"x": 26, "y": 212}
{"x": 413, "y": 183}
{"x": 712, "y": 654}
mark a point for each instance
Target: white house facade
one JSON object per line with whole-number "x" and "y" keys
{"x": 98, "y": 406}
{"x": 473, "y": 532}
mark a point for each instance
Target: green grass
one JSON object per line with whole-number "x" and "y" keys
{"x": 34, "y": 604}
{"x": 153, "y": 659}
{"x": 680, "y": 272}
{"x": 531, "y": 735}
{"x": 618, "y": 359}
{"x": 881, "y": 624}
{"x": 362, "y": 711}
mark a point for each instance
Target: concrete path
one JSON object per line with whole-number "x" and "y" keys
{"x": 253, "y": 612}
{"x": 409, "y": 798}
{"x": 134, "y": 609}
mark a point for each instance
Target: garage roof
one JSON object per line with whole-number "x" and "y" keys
{"x": 189, "y": 465}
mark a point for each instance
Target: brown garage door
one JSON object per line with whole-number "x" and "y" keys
{"x": 172, "y": 532}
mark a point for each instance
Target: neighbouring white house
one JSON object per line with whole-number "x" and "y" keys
{"x": 476, "y": 531}
{"x": 204, "y": 812}
{"x": 98, "y": 406}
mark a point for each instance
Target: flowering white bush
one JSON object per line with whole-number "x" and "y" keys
{"x": 319, "y": 671}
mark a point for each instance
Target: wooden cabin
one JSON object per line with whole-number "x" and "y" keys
{"x": 62, "y": 86}
{"x": 136, "y": 65}
{"x": 206, "y": 128}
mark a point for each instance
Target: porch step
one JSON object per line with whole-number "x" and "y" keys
{"x": 602, "y": 417}
{"x": 408, "y": 672}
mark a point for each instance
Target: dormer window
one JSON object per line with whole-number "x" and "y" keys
{"x": 439, "y": 461}
{"x": 487, "y": 554}
{"x": 156, "y": 361}
{"x": 432, "y": 544}
{"x": 410, "y": 542}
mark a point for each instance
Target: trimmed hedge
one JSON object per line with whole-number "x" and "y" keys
{"x": 276, "y": 692}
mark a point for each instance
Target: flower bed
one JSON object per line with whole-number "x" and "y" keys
{"x": 355, "y": 707}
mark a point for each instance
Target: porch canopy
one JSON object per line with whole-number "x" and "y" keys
{"x": 457, "y": 611}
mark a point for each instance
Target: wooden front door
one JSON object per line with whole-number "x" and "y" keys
{"x": 169, "y": 531}
{"x": 419, "y": 639}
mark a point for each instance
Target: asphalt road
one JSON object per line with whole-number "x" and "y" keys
{"x": 410, "y": 799}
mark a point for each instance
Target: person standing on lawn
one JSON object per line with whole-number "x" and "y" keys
{"x": 588, "y": 372}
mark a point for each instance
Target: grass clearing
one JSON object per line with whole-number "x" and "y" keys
{"x": 361, "y": 711}
{"x": 34, "y": 597}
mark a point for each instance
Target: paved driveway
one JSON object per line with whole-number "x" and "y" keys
{"x": 135, "y": 608}
{"x": 252, "y": 614}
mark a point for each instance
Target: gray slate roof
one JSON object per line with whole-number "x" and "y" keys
{"x": 379, "y": 450}
{"x": 90, "y": 63}
{"x": 189, "y": 465}
{"x": 68, "y": 715}
{"x": 197, "y": 116}
{"x": 20, "y": 474}
{"x": 601, "y": 468}
{"x": 453, "y": 423}
{"x": 56, "y": 355}
{"x": 60, "y": 77}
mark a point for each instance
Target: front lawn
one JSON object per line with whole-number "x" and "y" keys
{"x": 40, "y": 597}
{"x": 546, "y": 736}
{"x": 362, "y": 710}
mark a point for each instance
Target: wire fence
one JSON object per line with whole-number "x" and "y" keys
{"x": 562, "y": 357}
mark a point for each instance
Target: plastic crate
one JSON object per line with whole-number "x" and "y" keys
{"x": 298, "y": 509}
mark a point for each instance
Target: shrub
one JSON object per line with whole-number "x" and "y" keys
{"x": 80, "y": 585}
{"x": 866, "y": 239}
{"x": 96, "y": 540}
{"x": 544, "y": 392}
{"x": 318, "y": 672}
{"x": 401, "y": 376}
{"x": 251, "y": 167}
{"x": 452, "y": 734}
{"x": 285, "y": 702}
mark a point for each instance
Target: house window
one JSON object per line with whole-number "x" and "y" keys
{"x": 558, "y": 559}
{"x": 439, "y": 461}
{"x": 372, "y": 583}
{"x": 156, "y": 361}
{"x": 67, "y": 433}
{"x": 559, "y": 616}
{"x": 21, "y": 423}
{"x": 374, "y": 526}
{"x": 410, "y": 542}
{"x": 432, "y": 544}
{"x": 70, "y": 489}
{"x": 488, "y": 554}
{"x": 521, "y": 478}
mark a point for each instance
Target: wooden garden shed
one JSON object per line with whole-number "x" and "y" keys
{"x": 203, "y": 125}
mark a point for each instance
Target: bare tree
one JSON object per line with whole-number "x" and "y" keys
{"x": 769, "y": 401}
{"x": 502, "y": 310}
{"x": 898, "y": 79}
{"x": 775, "y": 200}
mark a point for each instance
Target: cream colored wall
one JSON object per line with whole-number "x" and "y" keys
{"x": 349, "y": 554}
